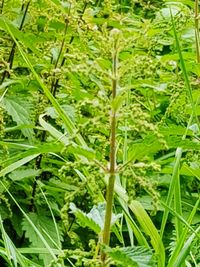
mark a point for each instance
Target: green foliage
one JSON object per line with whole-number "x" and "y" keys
{"x": 76, "y": 76}
{"x": 46, "y": 226}
{"x": 150, "y": 230}
{"x": 95, "y": 218}
{"x": 20, "y": 113}
{"x": 131, "y": 256}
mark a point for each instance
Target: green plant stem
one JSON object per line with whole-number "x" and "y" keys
{"x": 112, "y": 171}
{"x": 196, "y": 19}
{"x": 110, "y": 189}
{"x": 12, "y": 52}
{"x": 54, "y": 81}
{"x": 2, "y": 5}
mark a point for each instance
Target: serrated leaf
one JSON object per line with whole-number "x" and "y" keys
{"x": 12, "y": 253}
{"x": 84, "y": 219}
{"x": 180, "y": 259}
{"x": 131, "y": 256}
{"x": 32, "y": 225}
{"x": 45, "y": 225}
{"x": 97, "y": 213}
{"x": 20, "y": 114}
{"x": 95, "y": 218}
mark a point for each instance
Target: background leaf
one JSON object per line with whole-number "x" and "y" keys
{"x": 131, "y": 256}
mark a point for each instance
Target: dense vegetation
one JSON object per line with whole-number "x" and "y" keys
{"x": 99, "y": 128}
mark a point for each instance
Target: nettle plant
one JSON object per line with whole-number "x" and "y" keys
{"x": 99, "y": 133}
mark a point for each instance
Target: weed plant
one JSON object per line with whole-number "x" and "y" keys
{"x": 99, "y": 133}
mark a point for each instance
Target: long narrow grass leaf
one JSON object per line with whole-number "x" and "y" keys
{"x": 150, "y": 230}
{"x": 185, "y": 250}
{"x": 52, "y": 215}
{"x": 180, "y": 243}
{"x": 17, "y": 164}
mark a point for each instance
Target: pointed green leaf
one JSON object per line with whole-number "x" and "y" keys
{"x": 150, "y": 230}
{"x": 131, "y": 256}
{"x": 17, "y": 164}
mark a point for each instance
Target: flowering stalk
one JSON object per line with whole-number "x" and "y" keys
{"x": 113, "y": 165}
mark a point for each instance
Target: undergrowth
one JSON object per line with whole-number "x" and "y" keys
{"x": 99, "y": 133}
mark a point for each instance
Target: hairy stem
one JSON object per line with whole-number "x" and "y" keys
{"x": 113, "y": 165}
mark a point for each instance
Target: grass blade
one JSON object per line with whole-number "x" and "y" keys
{"x": 174, "y": 188}
{"x": 52, "y": 215}
{"x": 136, "y": 230}
{"x": 13, "y": 255}
{"x": 149, "y": 229}
{"x": 179, "y": 246}
{"x": 185, "y": 250}
{"x": 17, "y": 164}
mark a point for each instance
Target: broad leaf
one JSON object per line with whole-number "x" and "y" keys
{"x": 131, "y": 256}
{"x": 20, "y": 113}
{"x": 95, "y": 218}
{"x": 46, "y": 226}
